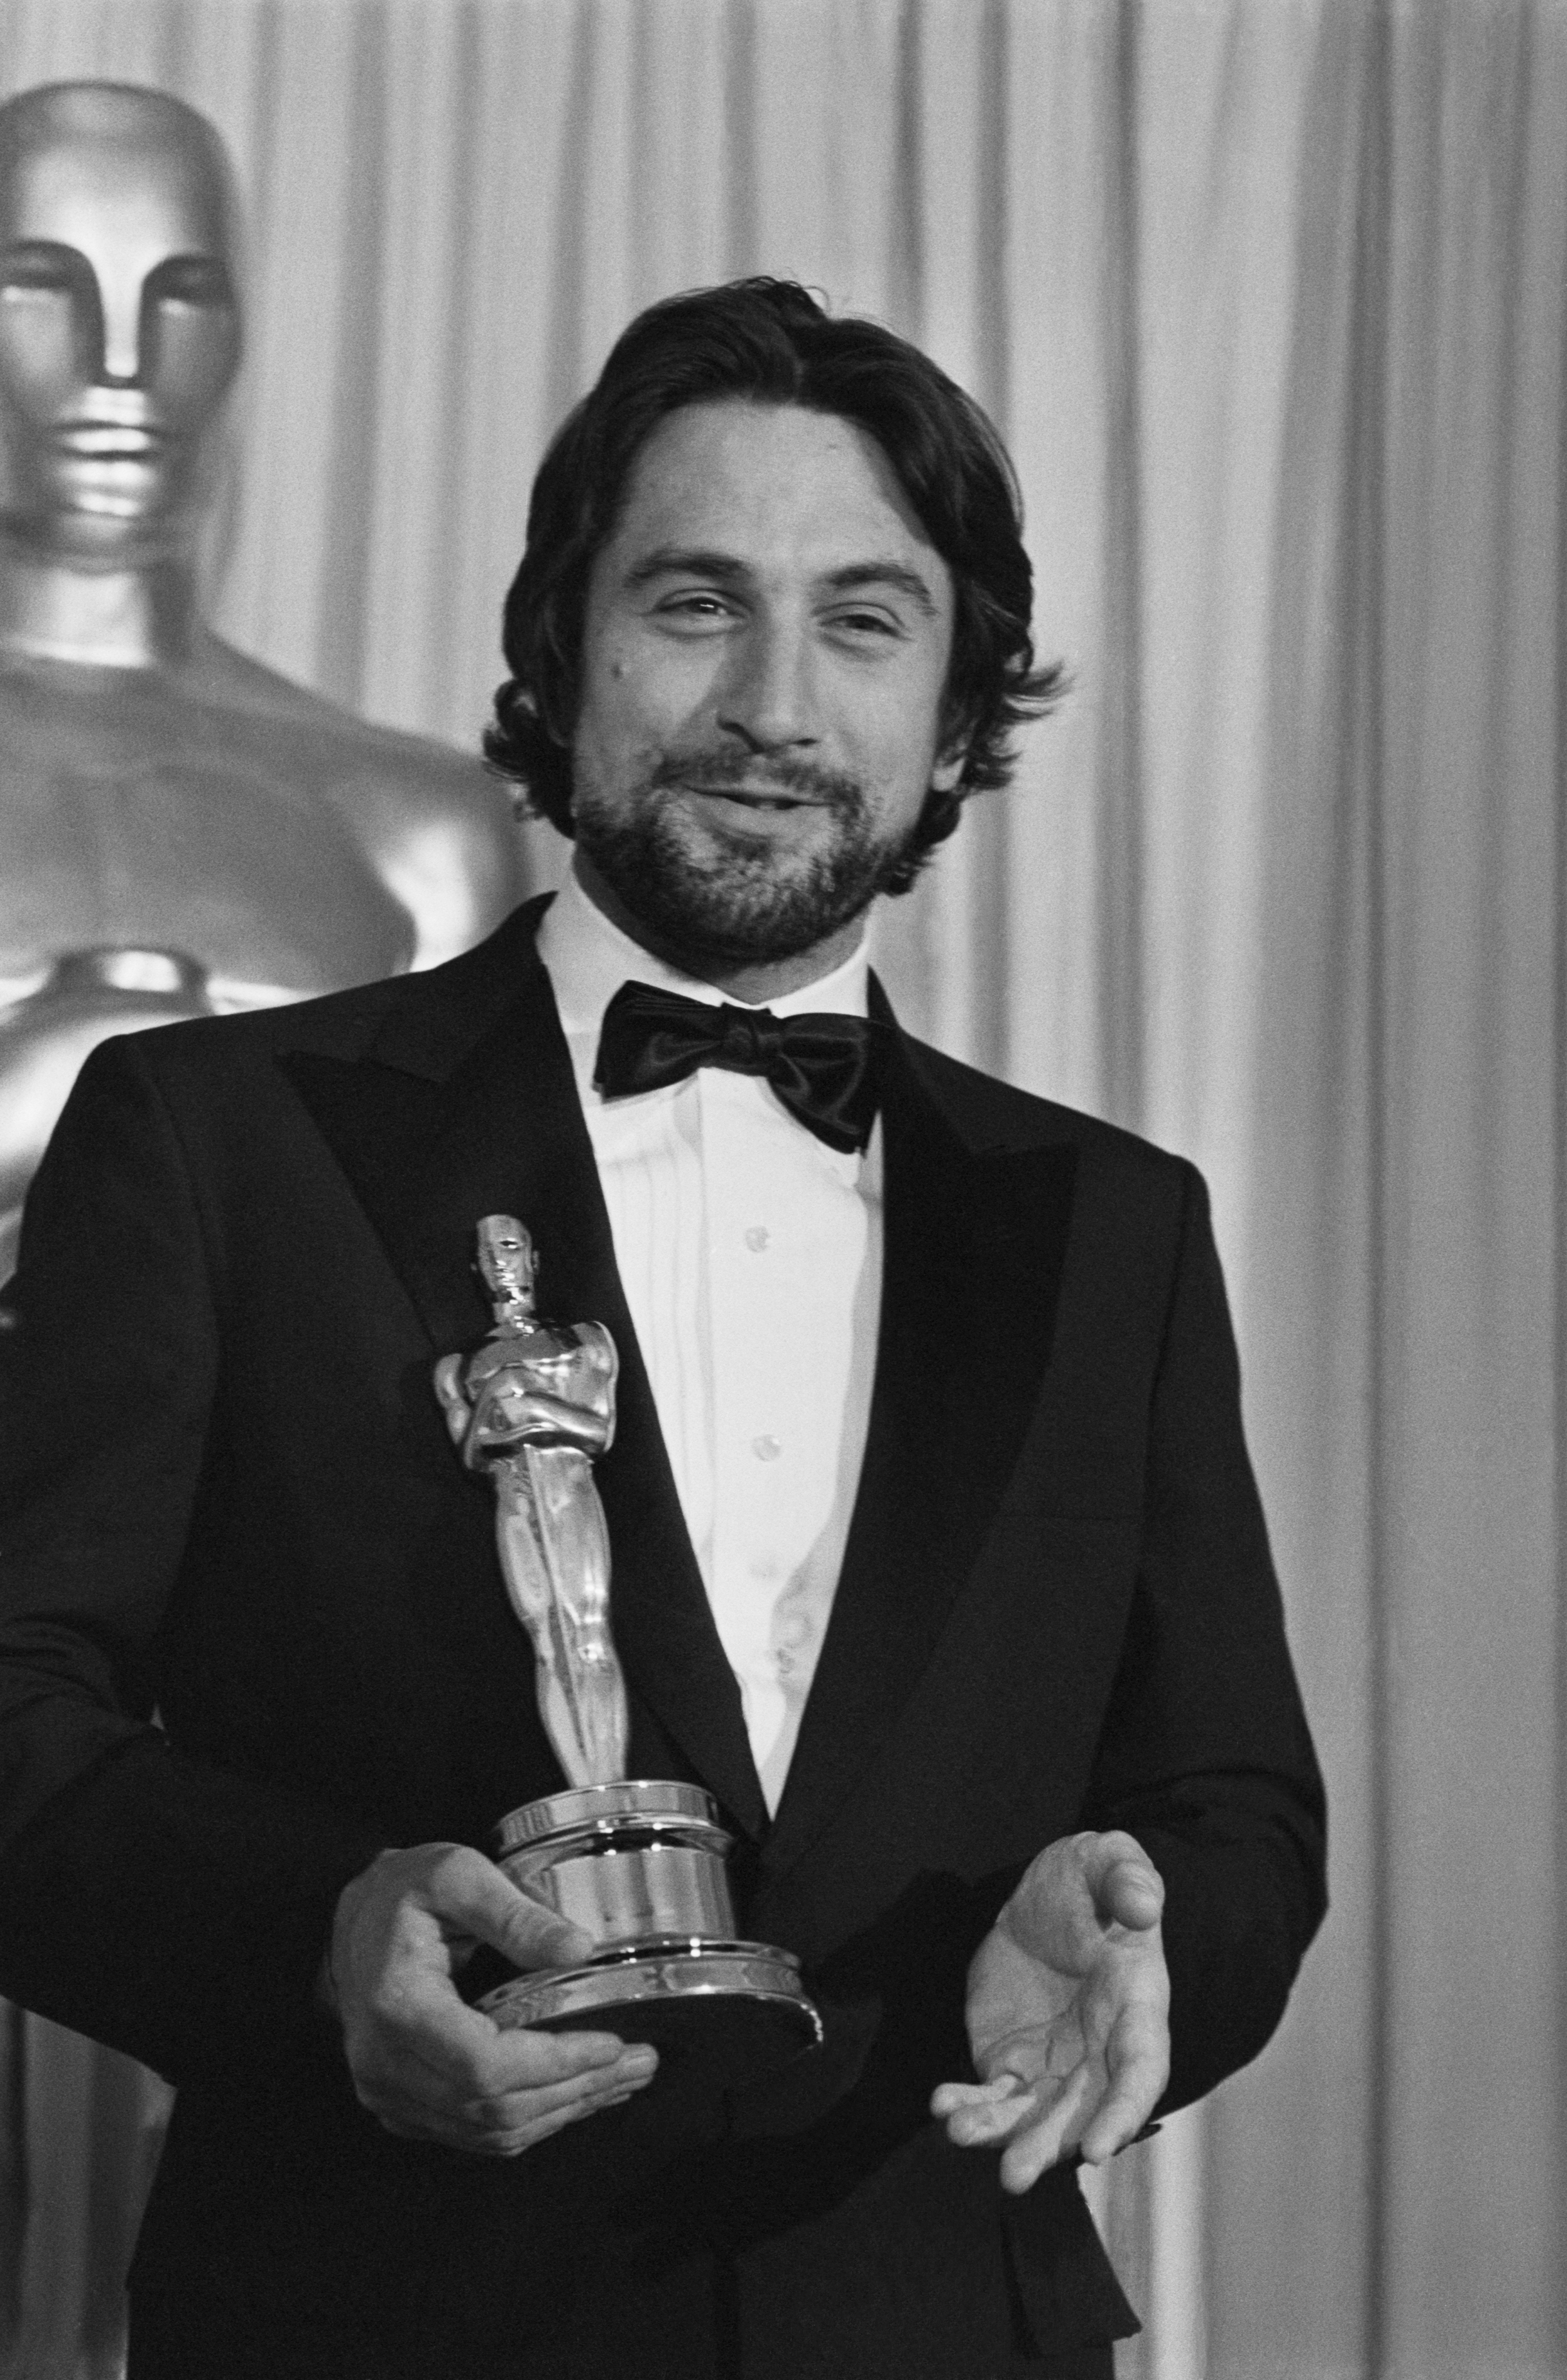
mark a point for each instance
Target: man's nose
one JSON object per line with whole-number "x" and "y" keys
{"x": 768, "y": 696}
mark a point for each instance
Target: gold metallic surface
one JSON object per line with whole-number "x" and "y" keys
{"x": 162, "y": 796}
{"x": 743, "y": 2000}
{"x": 638, "y": 1864}
{"x": 533, "y": 1408}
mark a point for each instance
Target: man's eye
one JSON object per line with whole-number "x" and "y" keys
{"x": 695, "y": 609}
{"x": 865, "y": 624}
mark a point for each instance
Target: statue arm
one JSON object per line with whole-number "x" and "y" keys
{"x": 515, "y": 1415}
{"x": 532, "y": 1407}
{"x": 444, "y": 840}
{"x": 500, "y": 1399}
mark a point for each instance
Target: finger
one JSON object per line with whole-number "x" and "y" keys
{"x": 1134, "y": 1895}
{"x": 1126, "y": 1887}
{"x": 470, "y": 1892}
{"x": 508, "y": 2126}
{"x": 1037, "y": 2146}
{"x": 983, "y": 2115}
{"x": 409, "y": 1907}
{"x": 417, "y": 2022}
{"x": 501, "y": 2064}
{"x": 418, "y": 2126}
{"x": 510, "y": 2122}
{"x": 987, "y": 2127}
{"x": 502, "y": 2110}
{"x": 1138, "y": 2058}
{"x": 502, "y": 2144}
{"x": 949, "y": 2096}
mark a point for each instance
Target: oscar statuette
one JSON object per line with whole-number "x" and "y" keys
{"x": 638, "y": 1864}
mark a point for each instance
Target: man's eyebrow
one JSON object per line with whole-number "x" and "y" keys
{"x": 896, "y": 575}
{"x": 686, "y": 562}
{"x": 727, "y": 570}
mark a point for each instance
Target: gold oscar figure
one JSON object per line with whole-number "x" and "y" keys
{"x": 181, "y": 830}
{"x": 638, "y": 1864}
{"x": 535, "y": 1408}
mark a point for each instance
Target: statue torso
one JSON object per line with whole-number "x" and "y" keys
{"x": 183, "y": 841}
{"x": 272, "y": 842}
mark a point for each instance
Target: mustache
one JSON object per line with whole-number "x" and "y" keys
{"x": 716, "y": 772}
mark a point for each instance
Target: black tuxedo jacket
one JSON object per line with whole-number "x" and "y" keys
{"x": 228, "y": 1497}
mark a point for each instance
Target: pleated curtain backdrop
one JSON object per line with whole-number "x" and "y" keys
{"x": 1267, "y": 298}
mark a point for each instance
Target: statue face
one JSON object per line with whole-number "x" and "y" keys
{"x": 506, "y": 1261}
{"x": 119, "y": 323}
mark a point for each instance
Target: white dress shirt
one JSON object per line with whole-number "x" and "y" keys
{"x": 750, "y": 1254}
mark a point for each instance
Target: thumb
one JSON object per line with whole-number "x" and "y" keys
{"x": 1127, "y": 1889}
{"x": 488, "y": 1905}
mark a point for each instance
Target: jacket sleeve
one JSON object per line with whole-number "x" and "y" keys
{"x": 172, "y": 1908}
{"x": 1204, "y": 1754}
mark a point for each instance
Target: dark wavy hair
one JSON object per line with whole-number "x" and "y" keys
{"x": 770, "y": 341}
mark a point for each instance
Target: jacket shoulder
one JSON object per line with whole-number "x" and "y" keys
{"x": 992, "y": 1114}
{"x": 458, "y": 996}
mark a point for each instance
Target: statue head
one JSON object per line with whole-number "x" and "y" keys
{"x": 509, "y": 1266}
{"x": 120, "y": 318}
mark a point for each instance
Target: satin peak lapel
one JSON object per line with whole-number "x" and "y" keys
{"x": 444, "y": 1118}
{"x": 974, "y": 1242}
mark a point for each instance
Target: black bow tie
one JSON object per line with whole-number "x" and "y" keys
{"x": 819, "y": 1066}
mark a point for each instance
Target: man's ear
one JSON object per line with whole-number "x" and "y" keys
{"x": 955, "y": 728}
{"x": 950, "y": 765}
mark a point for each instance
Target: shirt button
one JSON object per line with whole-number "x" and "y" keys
{"x": 757, "y": 1238}
{"x": 766, "y": 1449}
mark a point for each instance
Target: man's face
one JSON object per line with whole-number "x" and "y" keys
{"x": 118, "y": 323}
{"x": 766, "y": 645}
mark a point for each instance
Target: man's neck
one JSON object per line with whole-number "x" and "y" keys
{"x": 117, "y": 615}
{"x": 753, "y": 983}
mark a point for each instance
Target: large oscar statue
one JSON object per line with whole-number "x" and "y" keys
{"x": 181, "y": 830}
{"x": 638, "y": 1864}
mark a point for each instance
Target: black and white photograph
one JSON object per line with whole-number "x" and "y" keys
{"x": 783, "y": 1189}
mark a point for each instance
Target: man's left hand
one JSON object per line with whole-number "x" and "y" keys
{"x": 1068, "y": 2011}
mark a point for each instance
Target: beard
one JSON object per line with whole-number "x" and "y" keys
{"x": 724, "y": 898}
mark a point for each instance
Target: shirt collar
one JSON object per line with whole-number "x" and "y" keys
{"x": 588, "y": 958}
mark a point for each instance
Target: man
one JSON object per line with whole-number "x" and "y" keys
{"x": 936, "y": 1554}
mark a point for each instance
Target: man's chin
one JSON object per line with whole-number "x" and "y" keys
{"x": 717, "y": 920}
{"x": 715, "y": 935}
{"x": 724, "y": 891}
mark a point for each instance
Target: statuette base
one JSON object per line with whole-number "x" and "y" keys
{"x": 641, "y": 1865}
{"x": 738, "y": 2007}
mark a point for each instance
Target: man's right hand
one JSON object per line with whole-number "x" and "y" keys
{"x": 427, "y": 2065}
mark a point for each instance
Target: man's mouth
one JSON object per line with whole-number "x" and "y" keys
{"x": 754, "y": 798}
{"x": 745, "y": 794}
